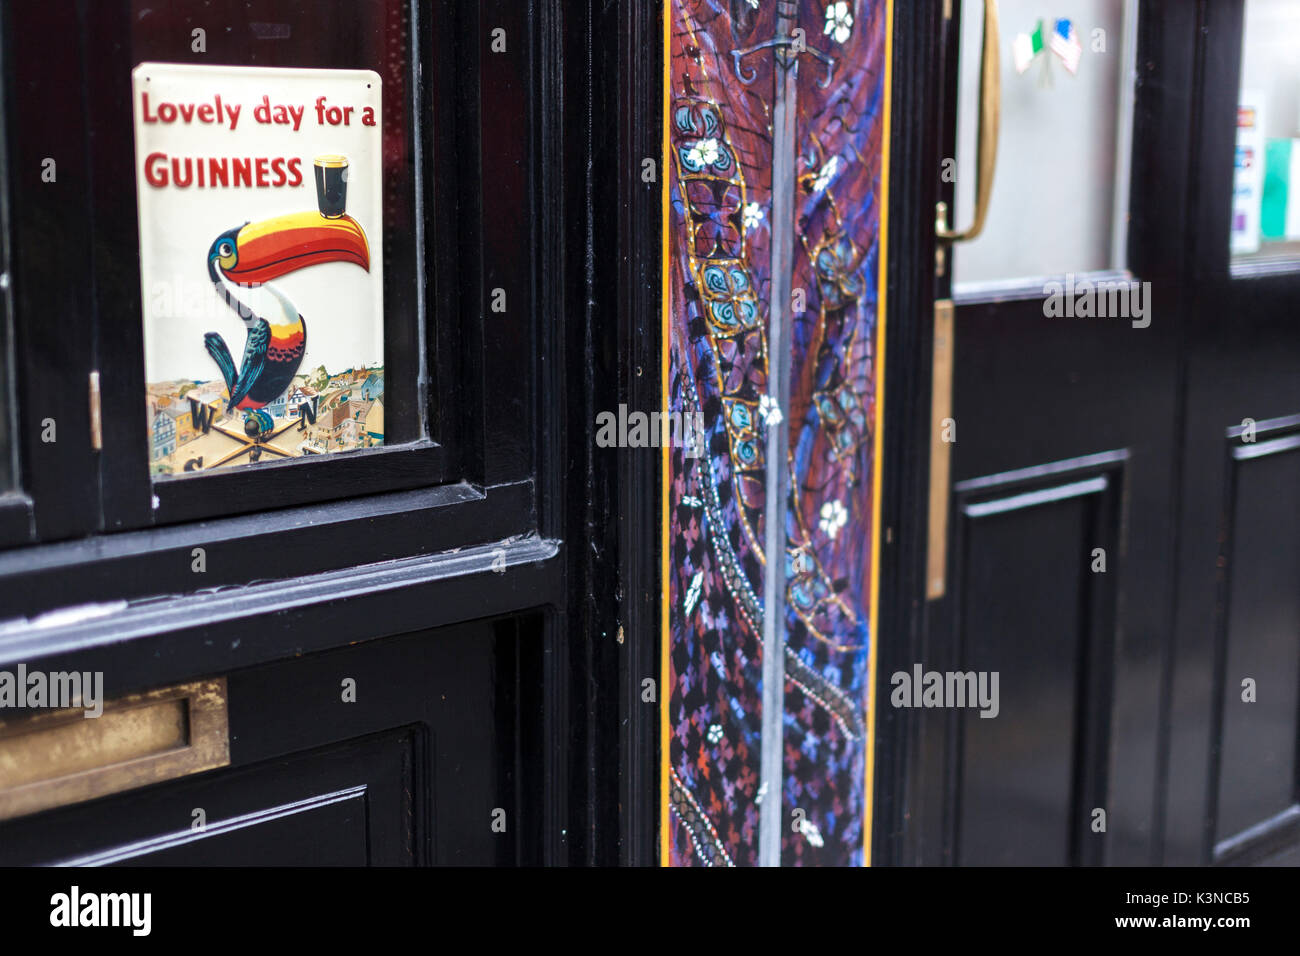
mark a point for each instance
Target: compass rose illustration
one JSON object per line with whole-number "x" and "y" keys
{"x": 257, "y": 437}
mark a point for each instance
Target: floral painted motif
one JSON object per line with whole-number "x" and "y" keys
{"x": 839, "y": 21}
{"x": 833, "y": 518}
{"x": 826, "y": 174}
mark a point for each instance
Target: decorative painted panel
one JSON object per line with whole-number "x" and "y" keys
{"x": 775, "y": 184}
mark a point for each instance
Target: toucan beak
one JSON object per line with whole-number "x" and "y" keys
{"x": 283, "y": 244}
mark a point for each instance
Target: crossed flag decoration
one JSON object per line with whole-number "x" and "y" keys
{"x": 1064, "y": 42}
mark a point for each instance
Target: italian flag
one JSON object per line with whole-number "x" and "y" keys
{"x": 1027, "y": 46}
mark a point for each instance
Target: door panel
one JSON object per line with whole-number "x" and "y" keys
{"x": 298, "y": 831}
{"x": 1257, "y": 769}
{"x": 1232, "y": 763}
{"x": 348, "y": 805}
{"x": 1080, "y": 408}
{"x": 1036, "y": 613}
{"x": 1238, "y": 593}
{"x": 429, "y": 755}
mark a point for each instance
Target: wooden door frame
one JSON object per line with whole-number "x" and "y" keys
{"x": 914, "y": 165}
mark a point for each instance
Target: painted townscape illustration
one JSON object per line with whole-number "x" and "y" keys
{"x": 319, "y": 413}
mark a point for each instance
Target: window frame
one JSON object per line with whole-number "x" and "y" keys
{"x": 131, "y": 498}
{"x": 56, "y": 494}
{"x": 477, "y": 484}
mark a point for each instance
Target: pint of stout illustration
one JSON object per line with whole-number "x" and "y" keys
{"x": 332, "y": 185}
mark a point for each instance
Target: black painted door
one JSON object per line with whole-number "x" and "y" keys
{"x": 1116, "y": 535}
{"x": 1049, "y": 551}
{"x": 466, "y": 579}
{"x": 1235, "y": 694}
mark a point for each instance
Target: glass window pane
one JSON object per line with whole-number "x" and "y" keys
{"x": 1060, "y": 191}
{"x": 1266, "y": 191}
{"x": 276, "y": 183}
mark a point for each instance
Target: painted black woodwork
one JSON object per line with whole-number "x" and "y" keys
{"x": 1137, "y": 674}
{"x": 1236, "y": 608}
{"x": 439, "y": 737}
{"x": 511, "y": 563}
{"x": 507, "y": 517}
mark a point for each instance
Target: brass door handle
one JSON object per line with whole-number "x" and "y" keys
{"x": 989, "y": 125}
{"x": 936, "y": 564}
{"x": 936, "y": 556}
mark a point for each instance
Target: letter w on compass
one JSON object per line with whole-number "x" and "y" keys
{"x": 787, "y": 46}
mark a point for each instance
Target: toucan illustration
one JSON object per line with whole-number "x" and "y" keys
{"x": 252, "y": 255}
